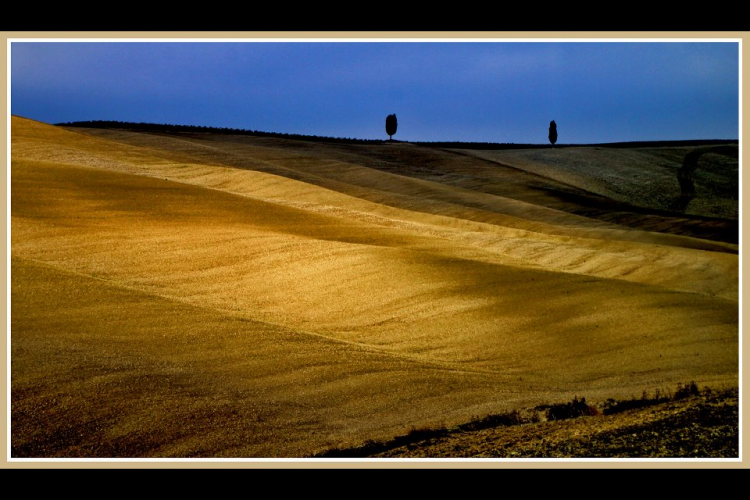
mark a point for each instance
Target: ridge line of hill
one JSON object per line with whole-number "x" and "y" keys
{"x": 175, "y": 128}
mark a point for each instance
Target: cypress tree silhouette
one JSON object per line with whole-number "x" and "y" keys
{"x": 391, "y": 124}
{"x": 552, "y": 132}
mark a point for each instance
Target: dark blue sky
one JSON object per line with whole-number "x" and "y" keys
{"x": 463, "y": 91}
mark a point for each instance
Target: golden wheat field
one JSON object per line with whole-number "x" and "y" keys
{"x": 206, "y": 295}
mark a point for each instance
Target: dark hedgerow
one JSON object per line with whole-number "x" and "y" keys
{"x": 612, "y": 406}
{"x": 196, "y": 129}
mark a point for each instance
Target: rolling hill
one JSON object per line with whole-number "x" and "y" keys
{"x": 218, "y": 295}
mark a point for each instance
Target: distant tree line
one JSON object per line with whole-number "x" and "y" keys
{"x": 200, "y": 129}
{"x": 635, "y": 144}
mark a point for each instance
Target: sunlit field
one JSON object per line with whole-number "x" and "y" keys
{"x": 206, "y": 295}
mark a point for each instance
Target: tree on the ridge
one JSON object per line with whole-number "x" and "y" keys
{"x": 552, "y": 132}
{"x": 391, "y": 124}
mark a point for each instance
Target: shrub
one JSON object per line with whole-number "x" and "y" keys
{"x": 573, "y": 409}
{"x": 499, "y": 419}
{"x": 687, "y": 390}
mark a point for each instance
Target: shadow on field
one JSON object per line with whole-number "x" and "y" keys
{"x": 689, "y": 166}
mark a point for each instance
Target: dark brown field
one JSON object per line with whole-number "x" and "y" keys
{"x": 232, "y": 296}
